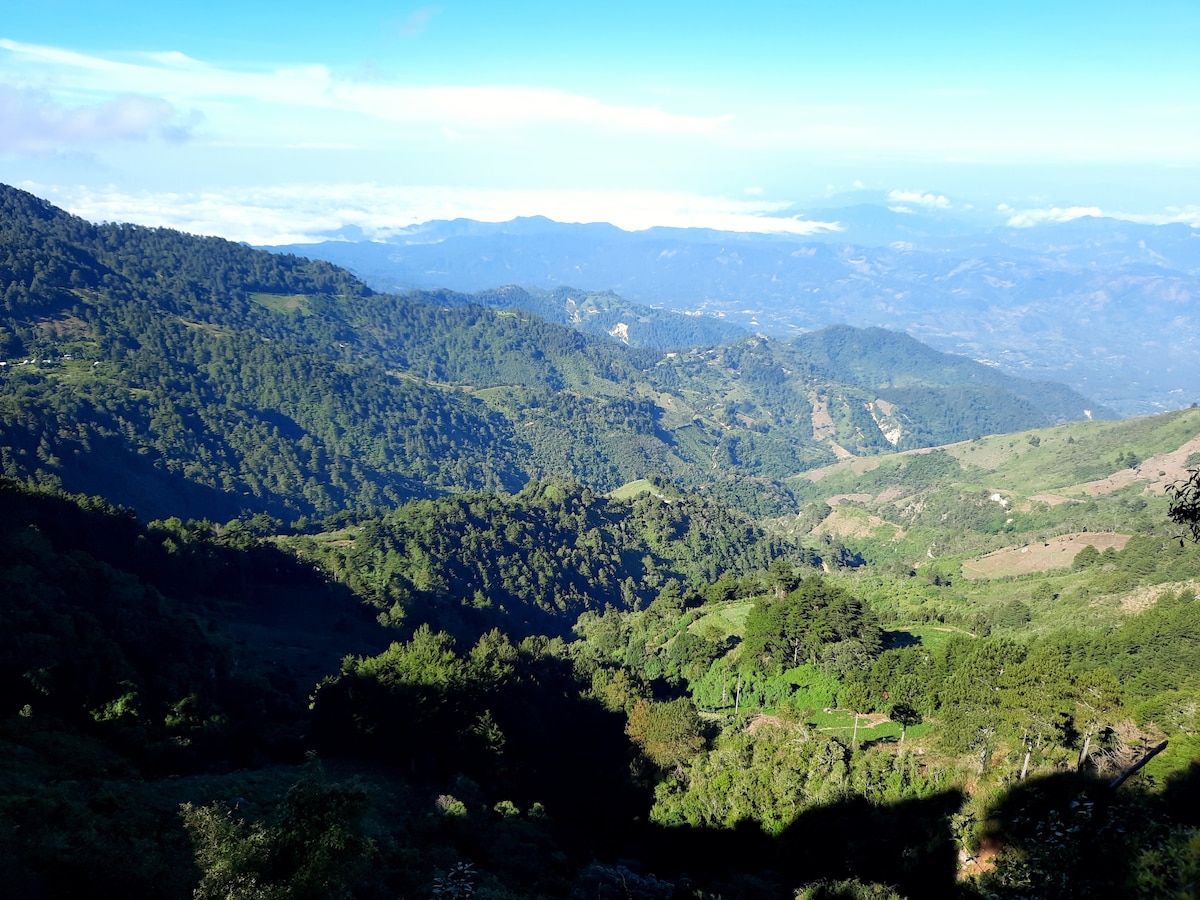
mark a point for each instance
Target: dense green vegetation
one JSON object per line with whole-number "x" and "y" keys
{"x": 743, "y": 735}
{"x": 532, "y": 563}
{"x": 196, "y": 377}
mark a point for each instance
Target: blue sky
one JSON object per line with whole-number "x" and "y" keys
{"x": 275, "y": 121}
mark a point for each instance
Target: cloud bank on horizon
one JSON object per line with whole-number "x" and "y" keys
{"x": 273, "y": 123}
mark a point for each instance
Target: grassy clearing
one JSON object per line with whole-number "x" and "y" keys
{"x": 725, "y": 618}
{"x": 1030, "y": 462}
{"x": 631, "y": 490}
{"x": 839, "y": 723}
{"x": 288, "y": 303}
{"x": 849, "y": 522}
{"x": 885, "y": 732}
{"x": 932, "y": 637}
{"x": 997, "y": 502}
{"x": 1067, "y": 456}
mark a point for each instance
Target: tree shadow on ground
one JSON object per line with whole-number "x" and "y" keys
{"x": 908, "y": 845}
{"x": 1068, "y": 835}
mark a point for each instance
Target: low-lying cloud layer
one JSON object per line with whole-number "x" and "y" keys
{"x": 1028, "y": 218}
{"x": 304, "y": 213}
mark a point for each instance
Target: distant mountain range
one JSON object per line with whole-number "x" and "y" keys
{"x": 1108, "y": 306}
{"x": 198, "y": 377}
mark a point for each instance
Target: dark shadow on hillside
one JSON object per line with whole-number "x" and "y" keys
{"x": 543, "y": 745}
{"x": 231, "y": 581}
{"x": 1072, "y": 835}
{"x": 527, "y": 738}
{"x": 112, "y": 469}
{"x": 176, "y": 615}
{"x": 1181, "y": 796}
{"x": 907, "y": 845}
{"x": 894, "y": 640}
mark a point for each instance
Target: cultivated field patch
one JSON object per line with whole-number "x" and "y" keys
{"x": 1057, "y": 553}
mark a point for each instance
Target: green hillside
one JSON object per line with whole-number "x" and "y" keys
{"x": 194, "y": 376}
{"x": 535, "y": 562}
{"x": 898, "y": 366}
{"x": 1003, "y": 489}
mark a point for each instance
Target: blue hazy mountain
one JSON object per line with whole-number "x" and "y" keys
{"x": 1105, "y": 305}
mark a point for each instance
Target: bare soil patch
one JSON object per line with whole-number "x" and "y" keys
{"x": 63, "y": 328}
{"x": 844, "y": 525}
{"x": 822, "y": 422}
{"x": 762, "y": 721}
{"x": 1171, "y": 464}
{"x": 1143, "y": 598}
{"x": 1057, "y": 553}
{"x": 839, "y": 451}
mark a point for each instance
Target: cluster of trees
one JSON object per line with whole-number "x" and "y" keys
{"x": 1185, "y": 503}
{"x": 534, "y": 561}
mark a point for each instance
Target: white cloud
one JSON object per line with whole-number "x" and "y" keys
{"x": 185, "y": 80}
{"x": 753, "y": 191}
{"x": 1188, "y": 215}
{"x": 301, "y": 213}
{"x": 33, "y": 123}
{"x": 933, "y": 201}
{"x": 1030, "y": 217}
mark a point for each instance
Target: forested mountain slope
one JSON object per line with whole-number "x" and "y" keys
{"x": 198, "y": 377}
{"x": 606, "y": 313}
{"x": 537, "y": 561}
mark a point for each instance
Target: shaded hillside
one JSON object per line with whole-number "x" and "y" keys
{"x": 535, "y": 562}
{"x": 164, "y": 640}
